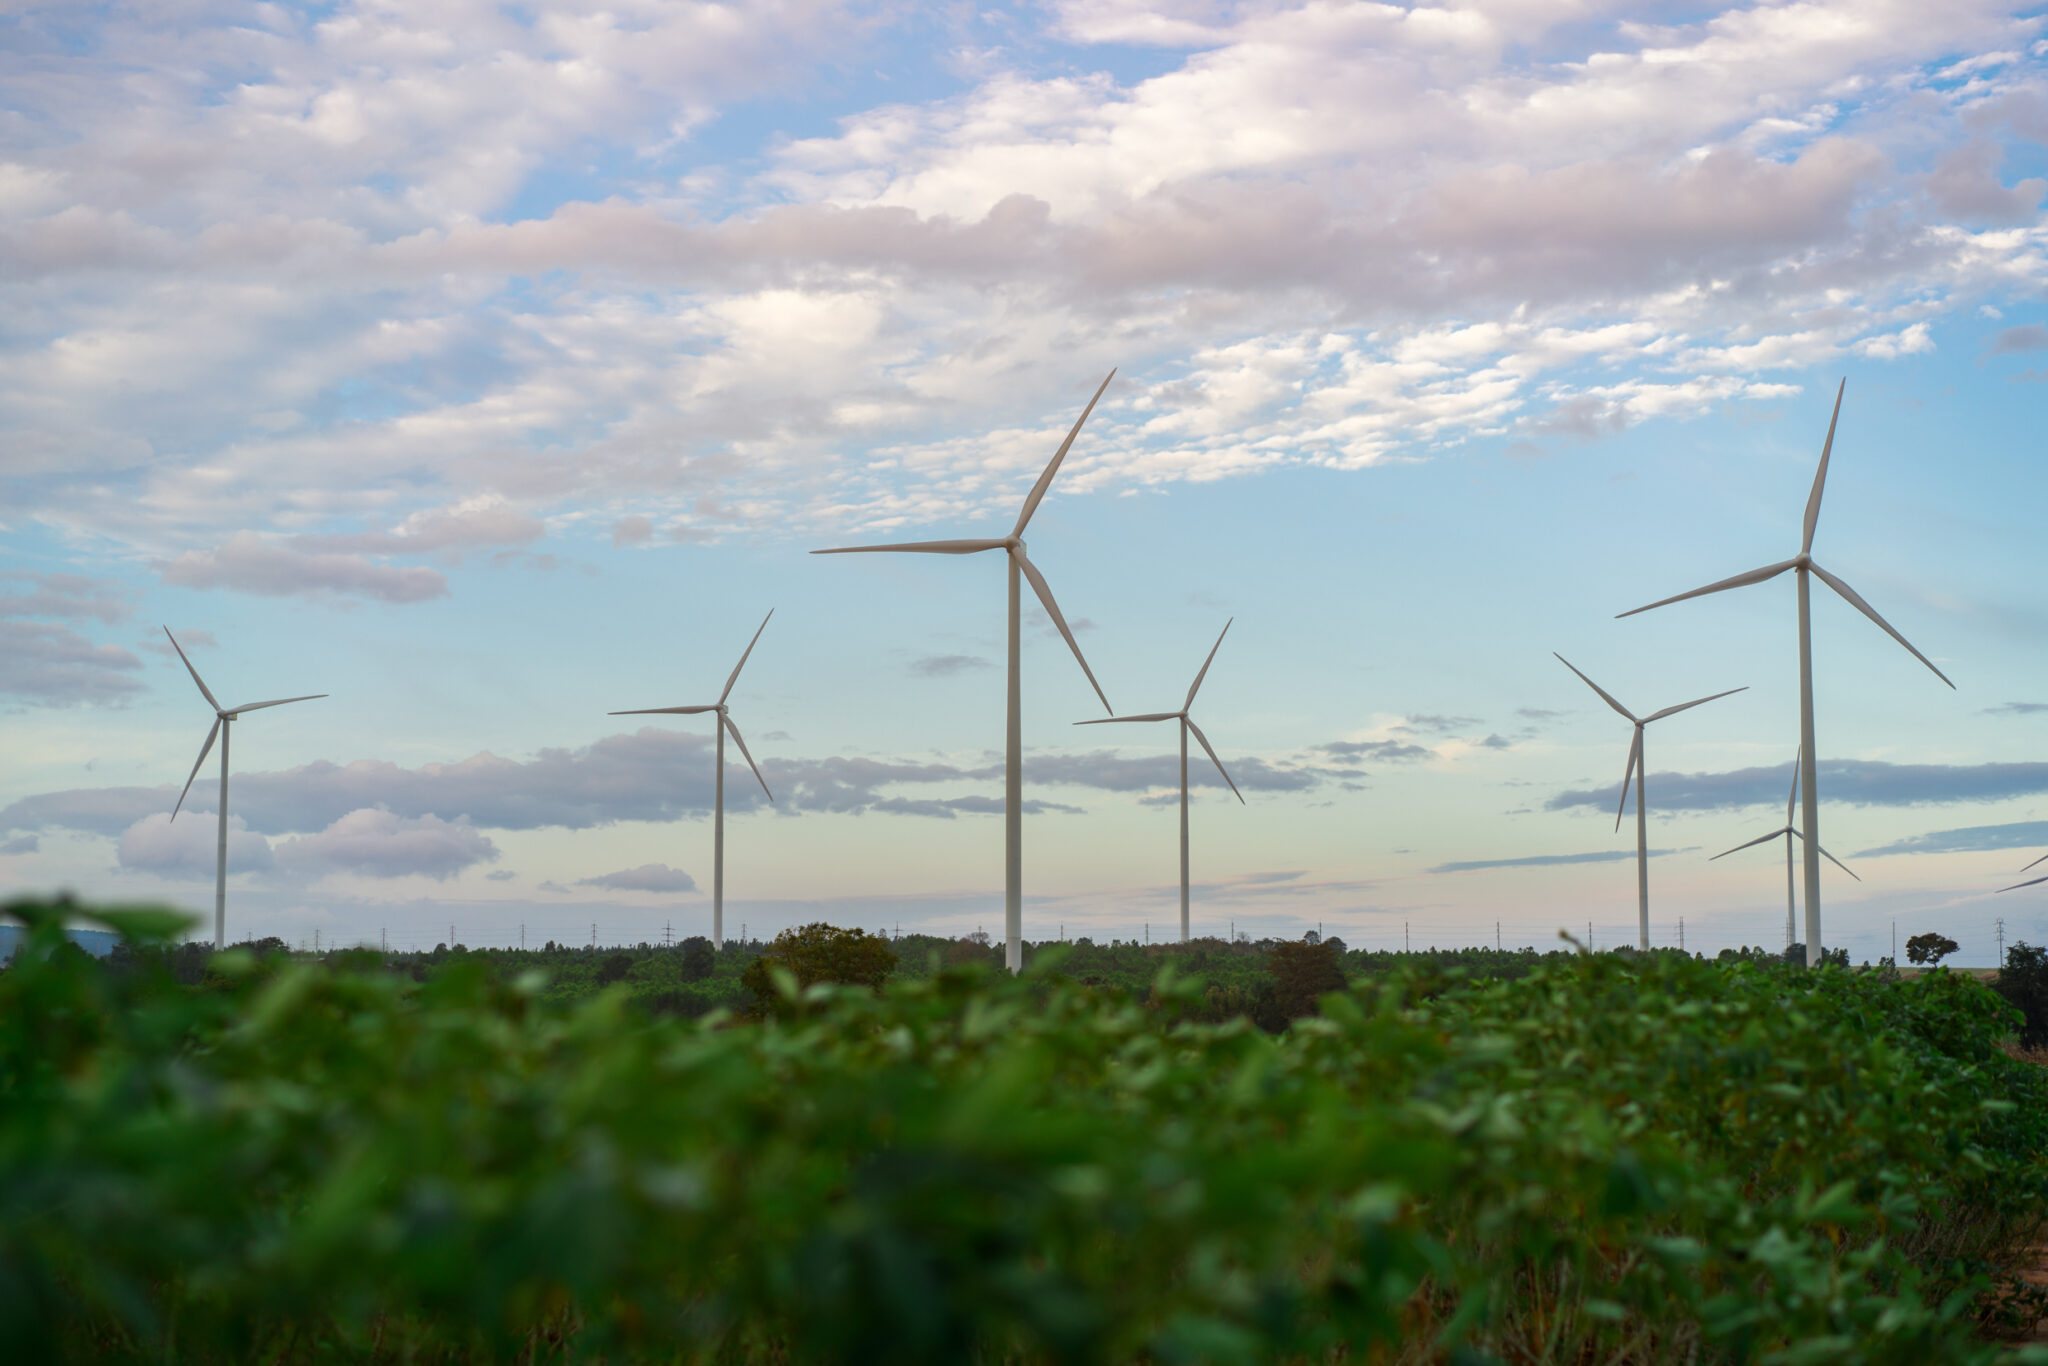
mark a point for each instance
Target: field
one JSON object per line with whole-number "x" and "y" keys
{"x": 1561, "y": 1158}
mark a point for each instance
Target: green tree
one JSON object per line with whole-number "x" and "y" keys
{"x": 2023, "y": 980}
{"x": 699, "y": 958}
{"x": 1301, "y": 973}
{"x": 819, "y": 953}
{"x": 1929, "y": 948}
{"x": 614, "y": 969}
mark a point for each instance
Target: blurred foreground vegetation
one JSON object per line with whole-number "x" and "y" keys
{"x": 1577, "y": 1158}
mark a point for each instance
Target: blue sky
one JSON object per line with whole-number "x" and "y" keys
{"x": 494, "y": 368}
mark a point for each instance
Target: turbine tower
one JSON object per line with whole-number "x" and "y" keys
{"x": 725, "y": 723}
{"x": 1803, "y": 565}
{"x": 1637, "y": 766}
{"x": 1790, "y": 834}
{"x": 1187, "y": 724}
{"x": 1012, "y": 546}
{"x": 222, "y": 716}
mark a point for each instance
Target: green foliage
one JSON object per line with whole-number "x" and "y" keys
{"x": 1929, "y": 948}
{"x": 1303, "y": 973}
{"x": 1598, "y": 1159}
{"x": 816, "y": 953}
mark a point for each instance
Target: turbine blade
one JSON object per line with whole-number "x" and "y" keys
{"x": 2017, "y": 885}
{"x": 204, "y": 750}
{"x": 749, "y": 758}
{"x": 1635, "y": 752}
{"x": 1751, "y": 844}
{"x": 204, "y": 691}
{"x": 1838, "y": 863}
{"x": 1197, "y": 685}
{"x": 1856, "y": 601}
{"x": 1820, "y": 476}
{"x": 918, "y": 547}
{"x": 1037, "y": 494}
{"x": 259, "y": 706}
{"x": 1595, "y": 687}
{"x": 1793, "y": 796}
{"x": 1683, "y": 706}
{"x": 2044, "y": 856}
{"x": 1769, "y": 571}
{"x": 743, "y": 656}
{"x": 1206, "y": 749}
{"x": 1052, "y": 609}
{"x": 1148, "y": 716}
{"x": 666, "y": 711}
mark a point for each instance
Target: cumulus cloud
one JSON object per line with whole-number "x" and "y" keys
{"x": 377, "y": 843}
{"x": 325, "y": 277}
{"x": 54, "y": 666}
{"x": 188, "y": 848}
{"x": 246, "y": 563}
{"x": 2028, "y": 337}
{"x": 648, "y": 877}
{"x": 68, "y": 596}
{"x": 20, "y": 844}
{"x": 1857, "y": 782}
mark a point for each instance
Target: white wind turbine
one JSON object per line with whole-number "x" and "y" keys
{"x": 221, "y": 717}
{"x": 725, "y": 723}
{"x": 1790, "y": 834}
{"x": 2031, "y": 882}
{"x": 1803, "y": 565}
{"x": 1187, "y": 724}
{"x": 1638, "y": 765}
{"x": 1013, "y": 771}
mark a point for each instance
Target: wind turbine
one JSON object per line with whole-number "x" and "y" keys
{"x": 1012, "y": 546}
{"x": 1637, "y": 767}
{"x": 725, "y": 723}
{"x": 1803, "y": 565}
{"x": 2033, "y": 882}
{"x": 1187, "y": 724}
{"x": 1790, "y": 834}
{"x": 221, "y": 717}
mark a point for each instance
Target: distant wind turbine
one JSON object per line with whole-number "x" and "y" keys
{"x": 1187, "y": 724}
{"x": 1803, "y": 565}
{"x": 725, "y": 723}
{"x": 221, "y": 717}
{"x": 1013, "y": 770}
{"x": 1790, "y": 834}
{"x": 1637, "y": 766}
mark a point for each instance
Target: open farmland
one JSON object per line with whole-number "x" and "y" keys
{"x": 1598, "y": 1160}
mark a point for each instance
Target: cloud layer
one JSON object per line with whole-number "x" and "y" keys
{"x": 399, "y": 295}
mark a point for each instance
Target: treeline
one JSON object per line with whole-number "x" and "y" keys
{"x": 1267, "y": 981}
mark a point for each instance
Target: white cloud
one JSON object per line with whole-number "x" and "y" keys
{"x": 384, "y": 288}
{"x": 187, "y": 848}
{"x": 376, "y": 843}
{"x": 54, "y": 666}
{"x": 648, "y": 877}
{"x": 246, "y": 563}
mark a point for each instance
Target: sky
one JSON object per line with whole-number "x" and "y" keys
{"x": 494, "y": 367}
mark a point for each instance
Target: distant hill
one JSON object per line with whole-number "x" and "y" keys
{"x": 98, "y": 943}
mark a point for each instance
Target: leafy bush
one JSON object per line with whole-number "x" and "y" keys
{"x": 1597, "y": 1161}
{"x": 817, "y": 953}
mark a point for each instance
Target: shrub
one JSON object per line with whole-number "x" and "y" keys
{"x": 1598, "y": 1161}
{"x": 818, "y": 953}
